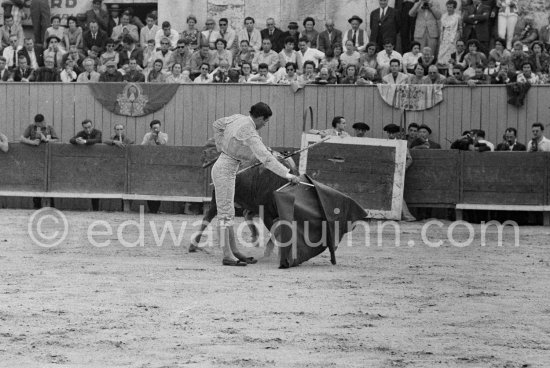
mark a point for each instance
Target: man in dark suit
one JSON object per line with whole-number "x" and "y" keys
{"x": 33, "y": 54}
{"x": 94, "y": 37}
{"x": 510, "y": 141}
{"x": 129, "y": 51}
{"x": 384, "y": 24}
{"x": 423, "y": 141}
{"x": 23, "y": 72}
{"x": 98, "y": 15}
{"x": 5, "y": 74}
{"x": 476, "y": 24}
{"x": 328, "y": 38}
{"x": 274, "y": 34}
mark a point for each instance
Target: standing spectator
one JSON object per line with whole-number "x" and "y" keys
{"x": 47, "y": 73}
{"x": 8, "y": 29}
{"x": 166, "y": 33}
{"x": 306, "y": 53}
{"x": 154, "y": 138}
{"x": 385, "y": 56}
{"x": 72, "y": 34}
{"x": 395, "y": 76}
{"x": 68, "y": 75}
{"x": 229, "y": 35}
{"x": 98, "y": 15}
{"x": 293, "y": 33}
{"x": 133, "y": 74}
{"x": 510, "y": 142}
{"x": 357, "y": 35}
{"x": 10, "y": 52}
{"x": 89, "y": 75}
{"x": 451, "y": 29}
{"x": 410, "y": 59}
{"x": 156, "y": 75}
{"x": 210, "y": 35}
{"x": 200, "y": 57}
{"x": 507, "y": 20}
{"x": 221, "y": 53}
{"x": 149, "y": 32}
{"x": 426, "y": 29}
{"x": 266, "y": 56}
{"x": 55, "y": 30}
{"x": 33, "y": 54}
{"x": 204, "y": 76}
{"x": 94, "y": 37}
{"x": 423, "y": 140}
{"x": 539, "y": 141}
{"x": 5, "y": 74}
{"x": 191, "y": 35}
{"x": 4, "y": 146}
{"x": 544, "y": 35}
{"x": 114, "y": 18}
{"x": 274, "y": 34}
{"x": 182, "y": 55}
{"x": 527, "y": 75}
{"x": 406, "y": 28}
{"x": 384, "y": 24}
{"x": 310, "y": 32}
{"x": 40, "y": 16}
{"x": 251, "y": 34}
{"x": 125, "y": 30}
{"x": 245, "y": 54}
{"x": 476, "y": 24}
{"x": 129, "y": 51}
{"x": 164, "y": 54}
{"x": 23, "y": 73}
{"x": 329, "y": 37}
{"x": 111, "y": 73}
{"x": 119, "y": 139}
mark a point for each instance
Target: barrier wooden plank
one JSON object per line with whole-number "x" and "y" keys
{"x": 187, "y": 113}
{"x": 277, "y": 122}
{"x": 87, "y": 169}
{"x": 331, "y": 112}
{"x": 24, "y": 168}
{"x": 166, "y": 171}
{"x": 9, "y": 108}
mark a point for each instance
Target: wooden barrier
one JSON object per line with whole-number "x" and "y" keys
{"x": 187, "y": 116}
{"x": 24, "y": 169}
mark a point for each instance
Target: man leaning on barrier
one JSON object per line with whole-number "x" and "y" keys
{"x": 119, "y": 139}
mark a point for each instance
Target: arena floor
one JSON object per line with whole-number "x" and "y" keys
{"x": 82, "y": 305}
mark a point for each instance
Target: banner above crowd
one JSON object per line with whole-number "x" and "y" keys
{"x": 413, "y": 97}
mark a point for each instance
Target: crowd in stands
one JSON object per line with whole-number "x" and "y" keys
{"x": 486, "y": 42}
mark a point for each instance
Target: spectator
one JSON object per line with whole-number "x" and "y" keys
{"x": 73, "y": 34}
{"x": 383, "y": 58}
{"x": 309, "y": 32}
{"x": 202, "y": 56}
{"x": 507, "y": 20}
{"x": 149, "y": 56}
{"x": 410, "y": 59}
{"x": 22, "y": 73}
{"x": 456, "y": 78}
{"x": 491, "y": 70}
{"x": 221, "y": 74}
{"x": 332, "y": 61}
{"x": 134, "y": 19}
{"x": 33, "y": 54}
{"x": 368, "y": 59}
{"x": 55, "y": 30}
{"x": 89, "y": 75}
{"x": 245, "y": 54}
{"x": 527, "y": 75}
{"x": 434, "y": 77}
{"x": 384, "y": 24}
{"x": 204, "y": 76}
{"x": 518, "y": 57}
{"x": 418, "y": 76}
{"x": 478, "y": 78}
{"x": 539, "y": 59}
{"x": 229, "y": 35}
{"x": 293, "y": 33}
{"x": 111, "y": 73}
{"x": 154, "y": 138}
{"x": 47, "y": 73}
{"x": 263, "y": 76}
{"x": 221, "y": 53}
{"x": 480, "y": 143}
{"x": 40, "y": 16}
{"x": 526, "y": 32}
{"x": 412, "y": 133}
{"x": 451, "y": 29}
{"x": 246, "y": 72}
{"x": 324, "y": 77}
{"x": 88, "y": 136}
{"x": 426, "y": 30}
{"x": 290, "y": 75}
{"x": 4, "y": 146}
{"x": 119, "y": 139}
{"x": 395, "y": 76}
{"x": 68, "y": 75}
{"x": 55, "y": 51}
{"x": 210, "y": 35}
{"x": 350, "y": 75}
{"x": 499, "y": 54}
{"x": 39, "y": 132}
{"x": 10, "y": 52}
{"x": 476, "y": 24}
{"x": 473, "y": 58}
{"x": 166, "y": 33}
{"x": 76, "y": 57}
{"x": 8, "y": 29}
{"x": 423, "y": 141}
{"x": 458, "y": 56}
{"x": 133, "y": 74}
{"x": 182, "y": 55}
{"x": 330, "y": 37}
{"x": 94, "y": 37}
{"x": 308, "y": 54}
{"x": 156, "y": 75}
{"x": 544, "y": 35}
{"x": 357, "y": 35}
{"x": 308, "y": 76}
{"x": 539, "y": 141}
{"x": 109, "y": 55}
{"x": 164, "y": 54}
{"x": 99, "y": 16}
{"x": 465, "y": 142}
{"x": 266, "y": 56}
{"x": 360, "y": 129}
{"x": 350, "y": 56}
{"x": 368, "y": 76}
{"x": 288, "y": 54}
{"x": 124, "y": 30}
{"x": 93, "y": 54}
{"x": 149, "y": 32}
{"x": 406, "y": 28}
{"x": 251, "y": 34}
{"x": 274, "y": 34}
{"x": 129, "y": 51}
{"x": 338, "y": 128}
{"x": 114, "y": 17}
{"x": 176, "y": 76}
{"x": 5, "y": 74}
{"x": 504, "y": 75}
{"x": 510, "y": 142}
{"x": 191, "y": 35}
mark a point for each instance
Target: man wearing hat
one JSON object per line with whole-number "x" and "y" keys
{"x": 111, "y": 73}
{"x": 355, "y": 34}
{"x": 384, "y": 24}
{"x": 293, "y": 33}
{"x": 99, "y": 15}
{"x": 361, "y": 129}
{"x": 423, "y": 141}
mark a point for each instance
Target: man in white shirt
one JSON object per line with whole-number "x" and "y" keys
{"x": 149, "y": 32}
{"x": 263, "y": 76}
{"x": 89, "y": 75}
{"x": 395, "y": 76}
{"x": 266, "y": 56}
{"x": 228, "y": 34}
{"x": 307, "y": 53}
{"x": 251, "y": 34}
{"x": 384, "y": 57}
{"x": 357, "y": 35}
{"x": 169, "y": 33}
{"x": 32, "y": 54}
{"x": 210, "y": 35}
{"x": 10, "y": 52}
{"x": 123, "y": 29}
{"x": 539, "y": 141}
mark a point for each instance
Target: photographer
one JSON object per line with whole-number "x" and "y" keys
{"x": 426, "y": 31}
{"x": 155, "y": 137}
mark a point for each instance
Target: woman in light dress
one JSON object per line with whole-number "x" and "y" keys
{"x": 451, "y": 30}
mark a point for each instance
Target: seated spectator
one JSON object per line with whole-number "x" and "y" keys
{"x": 480, "y": 143}
{"x": 88, "y": 136}
{"x": 368, "y": 59}
{"x": 350, "y": 75}
{"x": 182, "y": 55}
{"x": 368, "y": 76}
{"x": 73, "y": 33}
{"x": 54, "y": 51}
{"x": 473, "y": 58}
{"x": 526, "y": 32}
{"x": 192, "y": 36}
{"x": 22, "y": 73}
{"x": 10, "y": 52}
{"x": 119, "y": 139}
{"x": 266, "y": 56}
{"x": 338, "y": 128}
{"x": 263, "y": 76}
{"x": 309, "y": 75}
{"x": 149, "y": 31}
{"x": 245, "y": 54}
{"x": 10, "y": 28}
{"x": 133, "y": 19}
{"x": 204, "y": 76}
{"x": 221, "y": 73}
{"x": 200, "y": 57}
{"x": 458, "y": 56}
{"x": 360, "y": 129}
{"x": 94, "y": 37}
{"x": 465, "y": 142}
{"x": 456, "y": 78}
{"x": 418, "y": 76}
{"x": 491, "y": 70}
{"x": 39, "y": 132}
{"x": 33, "y": 53}
{"x": 246, "y": 72}
{"x": 332, "y": 61}
{"x": 68, "y": 75}
{"x": 167, "y": 33}
{"x": 156, "y": 75}
{"x": 427, "y": 59}
{"x": 148, "y": 56}
{"x": 288, "y": 54}
{"x": 93, "y": 54}
{"x": 292, "y": 33}
{"x": 539, "y": 59}
{"x": 478, "y": 78}
{"x": 410, "y": 59}
{"x": 133, "y": 74}
{"x": 4, "y": 146}
{"x": 412, "y": 133}
{"x": 358, "y": 35}
{"x": 499, "y": 54}
{"x": 111, "y": 73}
{"x": 124, "y": 29}
{"x": 309, "y": 32}
{"x": 222, "y": 53}
{"x": 250, "y": 33}
{"x": 518, "y": 57}
{"x": 230, "y": 36}
{"x": 329, "y": 38}
{"x": 47, "y": 73}
{"x": 434, "y": 77}
{"x": 89, "y": 75}
{"x": 55, "y": 30}
{"x": 129, "y": 51}
{"x": 510, "y": 142}
{"x": 176, "y": 75}
{"x": 384, "y": 57}
{"x": 306, "y": 53}
{"x": 76, "y": 57}
{"x": 210, "y": 35}
{"x": 527, "y": 75}
{"x": 395, "y": 76}
{"x": 288, "y": 74}
{"x": 164, "y": 54}
{"x": 351, "y": 56}
{"x": 155, "y": 137}
{"x": 423, "y": 141}
{"x": 324, "y": 77}
{"x": 539, "y": 141}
